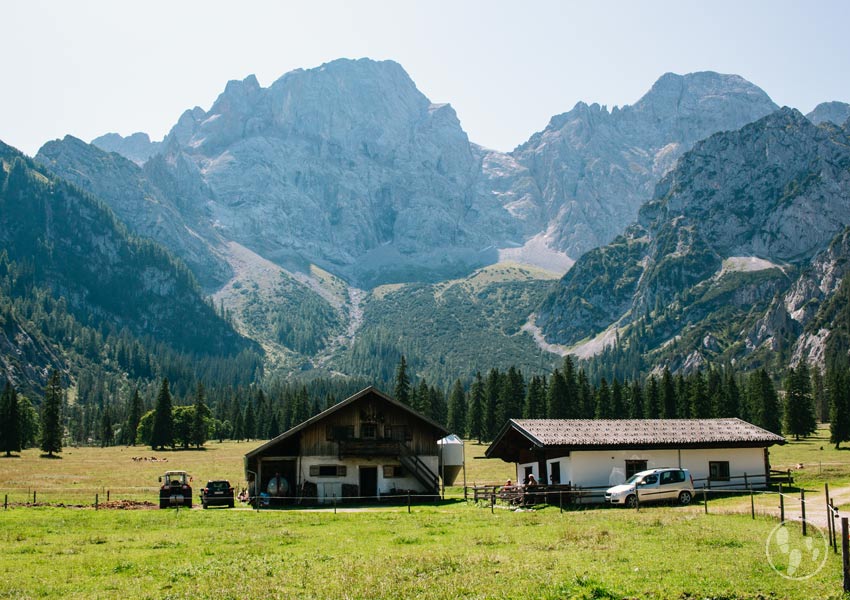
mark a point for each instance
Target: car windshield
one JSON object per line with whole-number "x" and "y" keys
{"x": 633, "y": 478}
{"x": 218, "y": 485}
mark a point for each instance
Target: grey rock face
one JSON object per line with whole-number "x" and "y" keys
{"x": 137, "y": 147}
{"x": 593, "y": 167}
{"x": 347, "y": 165}
{"x": 834, "y": 112}
{"x": 776, "y": 190}
{"x": 147, "y": 200}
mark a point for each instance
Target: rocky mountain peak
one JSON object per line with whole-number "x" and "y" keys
{"x": 137, "y": 147}
{"x": 834, "y": 112}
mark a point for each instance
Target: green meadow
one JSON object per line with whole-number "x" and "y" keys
{"x": 453, "y": 549}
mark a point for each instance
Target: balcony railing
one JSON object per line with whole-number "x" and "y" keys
{"x": 369, "y": 447}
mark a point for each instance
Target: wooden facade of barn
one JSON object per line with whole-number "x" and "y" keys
{"x": 368, "y": 446}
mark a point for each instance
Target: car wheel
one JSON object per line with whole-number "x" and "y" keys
{"x": 188, "y": 504}
{"x": 163, "y": 504}
{"x": 230, "y": 504}
{"x": 631, "y": 501}
{"x": 685, "y": 498}
{"x": 204, "y": 504}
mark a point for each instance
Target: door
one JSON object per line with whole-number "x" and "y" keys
{"x": 369, "y": 481}
{"x": 647, "y": 488}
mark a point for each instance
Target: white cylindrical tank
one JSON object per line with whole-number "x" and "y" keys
{"x": 451, "y": 457}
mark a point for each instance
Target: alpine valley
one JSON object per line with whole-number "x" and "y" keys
{"x": 338, "y": 219}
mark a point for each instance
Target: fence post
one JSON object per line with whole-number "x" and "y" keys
{"x": 845, "y": 554}
{"x": 334, "y": 500}
{"x": 704, "y": 499}
{"x": 803, "y": 507}
{"x": 107, "y": 495}
{"x": 492, "y": 503}
{"x": 834, "y": 532}
{"x": 829, "y": 523}
{"x": 95, "y": 502}
{"x": 781, "y": 506}
{"x": 33, "y": 497}
{"x": 752, "y": 504}
{"x": 561, "y": 501}
{"x": 746, "y": 481}
{"x": 408, "y": 501}
{"x": 6, "y": 502}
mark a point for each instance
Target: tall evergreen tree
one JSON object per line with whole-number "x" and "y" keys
{"x": 133, "y": 417}
{"x": 401, "y": 390}
{"x": 819, "y": 395}
{"x": 557, "y": 396}
{"x": 475, "y": 415}
{"x": 535, "y": 399}
{"x": 511, "y": 396}
{"x": 603, "y": 401}
{"x": 162, "y": 434}
{"x": 585, "y": 396}
{"x": 668, "y": 395}
{"x": 51, "y": 416}
{"x": 618, "y": 405}
{"x": 652, "y": 399}
{"x": 571, "y": 387}
{"x": 10, "y": 421}
{"x": 764, "y": 402}
{"x": 698, "y": 392}
{"x": 107, "y": 435}
{"x": 249, "y": 421}
{"x": 799, "y": 406}
{"x": 635, "y": 400}
{"x": 838, "y": 388}
{"x": 492, "y": 387}
{"x": 200, "y": 419}
{"x": 457, "y": 409}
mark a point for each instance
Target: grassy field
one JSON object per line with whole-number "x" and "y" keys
{"x": 448, "y": 550}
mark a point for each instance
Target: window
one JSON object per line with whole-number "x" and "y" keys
{"x": 718, "y": 470}
{"x": 391, "y": 471}
{"x": 327, "y": 470}
{"x": 368, "y": 431}
{"x": 634, "y": 466}
{"x": 555, "y": 472}
{"x": 335, "y": 433}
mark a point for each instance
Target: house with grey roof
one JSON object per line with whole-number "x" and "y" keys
{"x": 605, "y": 452}
{"x": 366, "y": 447}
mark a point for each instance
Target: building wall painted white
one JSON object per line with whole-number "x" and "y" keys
{"x": 605, "y": 468}
{"x": 330, "y": 486}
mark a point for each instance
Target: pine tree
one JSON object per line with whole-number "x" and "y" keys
{"x": 10, "y": 421}
{"x": 133, "y": 418}
{"x": 764, "y": 402}
{"x": 617, "y": 403}
{"x": 683, "y": 401}
{"x": 457, "y": 409}
{"x": 162, "y": 434}
{"x": 585, "y": 396}
{"x": 249, "y": 422}
{"x": 475, "y": 415}
{"x": 107, "y": 435}
{"x": 557, "y": 397}
{"x": 603, "y": 401}
{"x": 401, "y": 391}
{"x": 819, "y": 395}
{"x": 799, "y": 407}
{"x": 492, "y": 386}
{"x": 838, "y": 388}
{"x": 698, "y": 392}
{"x": 652, "y": 400}
{"x": 635, "y": 400}
{"x": 51, "y": 416}
{"x": 200, "y": 418}
{"x": 535, "y": 399}
{"x": 668, "y": 395}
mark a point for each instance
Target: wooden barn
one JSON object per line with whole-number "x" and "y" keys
{"x": 368, "y": 446}
{"x": 605, "y": 452}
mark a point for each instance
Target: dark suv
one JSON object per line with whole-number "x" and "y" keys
{"x": 217, "y": 493}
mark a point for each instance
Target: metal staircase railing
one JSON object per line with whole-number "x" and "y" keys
{"x": 421, "y": 471}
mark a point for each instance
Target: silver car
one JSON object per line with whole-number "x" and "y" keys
{"x": 651, "y": 486}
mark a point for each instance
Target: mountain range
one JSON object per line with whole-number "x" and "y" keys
{"x": 338, "y": 214}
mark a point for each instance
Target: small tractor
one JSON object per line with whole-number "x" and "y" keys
{"x": 175, "y": 490}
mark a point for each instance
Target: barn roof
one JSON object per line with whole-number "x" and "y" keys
{"x": 371, "y": 390}
{"x": 600, "y": 434}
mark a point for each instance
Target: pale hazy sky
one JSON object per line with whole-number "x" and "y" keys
{"x": 91, "y": 67}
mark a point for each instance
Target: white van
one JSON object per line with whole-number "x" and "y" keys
{"x": 653, "y": 485}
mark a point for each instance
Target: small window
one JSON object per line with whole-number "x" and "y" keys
{"x": 634, "y": 466}
{"x": 368, "y": 431}
{"x": 718, "y": 470}
{"x": 650, "y": 479}
{"x": 327, "y": 470}
{"x": 391, "y": 471}
{"x": 555, "y": 472}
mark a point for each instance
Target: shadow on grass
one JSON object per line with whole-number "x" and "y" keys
{"x": 51, "y": 456}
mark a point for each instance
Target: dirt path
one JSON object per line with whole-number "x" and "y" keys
{"x": 768, "y": 503}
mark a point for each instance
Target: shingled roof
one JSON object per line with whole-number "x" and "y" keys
{"x": 589, "y": 434}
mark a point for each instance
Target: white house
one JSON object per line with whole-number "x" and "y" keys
{"x": 605, "y": 452}
{"x": 367, "y": 446}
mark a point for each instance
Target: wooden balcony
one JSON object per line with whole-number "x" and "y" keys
{"x": 369, "y": 447}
